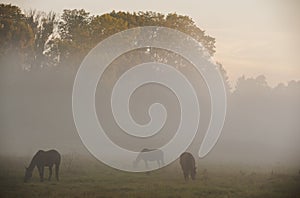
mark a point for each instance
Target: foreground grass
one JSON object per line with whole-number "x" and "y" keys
{"x": 91, "y": 179}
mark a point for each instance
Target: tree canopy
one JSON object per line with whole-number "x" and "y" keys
{"x": 44, "y": 39}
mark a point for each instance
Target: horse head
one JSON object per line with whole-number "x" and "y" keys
{"x": 28, "y": 174}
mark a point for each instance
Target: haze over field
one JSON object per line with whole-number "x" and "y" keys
{"x": 262, "y": 124}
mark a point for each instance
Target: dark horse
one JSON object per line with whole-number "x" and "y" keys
{"x": 42, "y": 159}
{"x": 150, "y": 155}
{"x": 187, "y": 162}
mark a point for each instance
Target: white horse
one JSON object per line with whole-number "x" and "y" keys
{"x": 150, "y": 155}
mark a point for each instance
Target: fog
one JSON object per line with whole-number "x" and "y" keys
{"x": 261, "y": 128}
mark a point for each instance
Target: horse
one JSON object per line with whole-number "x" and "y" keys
{"x": 187, "y": 162}
{"x": 150, "y": 155}
{"x": 42, "y": 159}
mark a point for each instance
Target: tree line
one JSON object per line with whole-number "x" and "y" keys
{"x": 46, "y": 39}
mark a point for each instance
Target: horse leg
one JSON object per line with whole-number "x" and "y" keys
{"x": 146, "y": 163}
{"x": 56, "y": 171}
{"x": 50, "y": 173}
{"x": 186, "y": 175}
{"x": 41, "y": 173}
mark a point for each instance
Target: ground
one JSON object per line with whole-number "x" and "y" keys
{"x": 90, "y": 178}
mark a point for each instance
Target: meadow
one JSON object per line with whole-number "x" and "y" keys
{"x": 88, "y": 178}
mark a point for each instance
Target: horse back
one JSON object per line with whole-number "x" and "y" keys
{"x": 47, "y": 158}
{"x": 187, "y": 161}
{"x": 152, "y": 154}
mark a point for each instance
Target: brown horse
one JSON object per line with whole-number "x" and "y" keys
{"x": 42, "y": 159}
{"x": 187, "y": 162}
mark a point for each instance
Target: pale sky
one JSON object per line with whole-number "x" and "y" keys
{"x": 253, "y": 36}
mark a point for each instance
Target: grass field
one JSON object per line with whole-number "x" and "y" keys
{"x": 89, "y": 178}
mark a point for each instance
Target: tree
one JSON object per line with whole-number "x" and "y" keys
{"x": 187, "y": 25}
{"x": 74, "y": 36}
{"x": 27, "y": 36}
{"x": 15, "y": 35}
{"x": 33, "y": 35}
{"x": 43, "y": 51}
{"x": 250, "y": 86}
{"x": 80, "y": 32}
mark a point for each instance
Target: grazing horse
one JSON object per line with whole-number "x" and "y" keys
{"x": 42, "y": 159}
{"x": 150, "y": 155}
{"x": 187, "y": 162}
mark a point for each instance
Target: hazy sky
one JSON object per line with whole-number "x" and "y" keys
{"x": 253, "y": 36}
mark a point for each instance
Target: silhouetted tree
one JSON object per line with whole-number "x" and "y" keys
{"x": 16, "y": 37}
